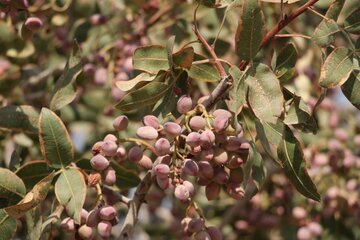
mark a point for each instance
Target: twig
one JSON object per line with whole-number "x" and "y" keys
{"x": 134, "y": 206}
{"x": 317, "y": 13}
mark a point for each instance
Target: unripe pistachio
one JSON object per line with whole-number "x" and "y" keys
{"x": 244, "y": 147}
{"x": 212, "y": 191}
{"x": 93, "y": 218}
{"x": 189, "y": 186}
{"x": 202, "y": 235}
{"x": 184, "y": 104}
{"x": 162, "y": 159}
{"x": 220, "y": 138}
{"x": 195, "y": 150}
{"x": 193, "y": 139}
{"x": 299, "y": 213}
{"x": 235, "y": 161}
{"x": 162, "y": 146}
{"x": 207, "y": 139}
{"x": 233, "y": 144}
{"x": 235, "y": 190}
{"x": 98, "y": 19}
{"x": 220, "y": 156}
{"x": 190, "y": 167}
{"x": 104, "y": 229}
{"x": 203, "y": 181}
{"x": 109, "y": 176}
{"x": 220, "y": 176}
{"x": 152, "y": 121}
{"x": 96, "y": 148}
{"x": 357, "y": 140}
{"x": 203, "y": 99}
{"x": 321, "y": 159}
{"x": 99, "y": 162}
{"x": 135, "y": 154}
{"x": 207, "y": 154}
{"x": 120, "y": 153}
{"x": 341, "y": 134}
{"x": 205, "y": 169}
{"x": 236, "y": 175}
{"x": 68, "y": 225}
{"x": 185, "y": 224}
{"x": 110, "y": 138}
{"x": 181, "y": 193}
{"x": 315, "y": 228}
{"x": 83, "y": 216}
{"x": 147, "y": 133}
{"x": 85, "y": 232}
{"x": 101, "y": 76}
{"x": 196, "y": 225}
{"x": 145, "y": 162}
{"x": 20, "y": 4}
{"x": 109, "y": 148}
{"x": 172, "y": 129}
{"x": 107, "y": 213}
{"x": 222, "y": 112}
{"x": 117, "y": 94}
{"x": 163, "y": 182}
{"x": 303, "y": 234}
{"x": 121, "y": 123}
{"x": 162, "y": 170}
{"x": 214, "y": 233}
{"x": 94, "y": 178}
{"x": 196, "y": 123}
{"x": 33, "y": 23}
{"x": 220, "y": 124}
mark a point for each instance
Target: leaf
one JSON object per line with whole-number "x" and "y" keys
{"x": 334, "y": 10}
{"x": 125, "y": 178}
{"x": 169, "y": 50}
{"x": 285, "y": 62}
{"x": 270, "y": 136}
{"x": 237, "y": 93}
{"x": 51, "y": 219}
{"x": 205, "y": 72}
{"x": 12, "y": 187}
{"x": 144, "y": 96}
{"x": 20, "y": 118}
{"x": 336, "y": 68}
{"x": 33, "y": 171}
{"x": 351, "y": 89}
{"x": 130, "y": 84}
{"x": 264, "y": 94}
{"x": 151, "y": 59}
{"x": 55, "y": 142}
{"x": 7, "y": 226}
{"x": 184, "y": 57}
{"x": 65, "y": 87}
{"x": 258, "y": 168}
{"x": 324, "y": 34}
{"x": 292, "y": 160}
{"x": 352, "y": 22}
{"x": 31, "y": 199}
{"x": 70, "y": 190}
{"x": 250, "y": 29}
{"x": 297, "y": 112}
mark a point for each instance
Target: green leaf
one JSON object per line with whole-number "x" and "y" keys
{"x": 65, "y": 87}
{"x": 55, "y": 143}
{"x": 32, "y": 172}
{"x": 184, "y": 57}
{"x": 130, "y": 84}
{"x": 205, "y": 72}
{"x": 270, "y": 136}
{"x": 336, "y": 68}
{"x": 32, "y": 199}
{"x": 20, "y": 118}
{"x": 258, "y": 168}
{"x": 70, "y": 190}
{"x": 264, "y": 94}
{"x": 144, "y": 96}
{"x": 324, "y": 34}
{"x": 12, "y": 188}
{"x": 352, "y": 22}
{"x": 285, "y": 62}
{"x": 292, "y": 160}
{"x": 169, "y": 50}
{"x": 151, "y": 59}
{"x": 250, "y": 29}
{"x": 237, "y": 93}
{"x": 297, "y": 112}
{"x": 125, "y": 178}
{"x": 334, "y": 10}
{"x": 351, "y": 88}
{"x": 7, "y": 226}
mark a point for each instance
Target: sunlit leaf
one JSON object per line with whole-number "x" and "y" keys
{"x": 151, "y": 59}
{"x": 324, "y": 34}
{"x": 205, "y": 72}
{"x": 130, "y": 84}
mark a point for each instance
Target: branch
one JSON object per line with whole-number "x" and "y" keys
{"x": 134, "y": 206}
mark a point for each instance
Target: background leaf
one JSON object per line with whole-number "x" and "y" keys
{"x": 70, "y": 190}
{"x": 56, "y": 145}
{"x": 237, "y": 93}
{"x": 12, "y": 187}
{"x": 65, "y": 88}
{"x": 7, "y": 226}
{"x": 32, "y": 172}
{"x": 205, "y": 72}
{"x": 336, "y": 68}
{"x": 352, "y": 22}
{"x": 285, "y": 62}
{"x": 351, "y": 88}
{"x": 130, "y": 84}
{"x": 151, "y": 59}
{"x": 250, "y": 30}
{"x": 324, "y": 34}
{"x": 264, "y": 95}
{"x": 125, "y": 178}
{"x": 20, "y": 118}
